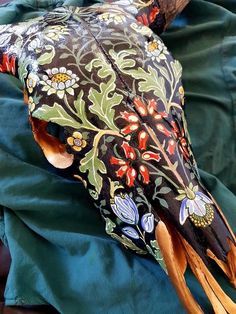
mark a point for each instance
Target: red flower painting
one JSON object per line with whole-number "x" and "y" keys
{"x": 8, "y": 64}
{"x": 149, "y": 18}
{"x": 126, "y": 167}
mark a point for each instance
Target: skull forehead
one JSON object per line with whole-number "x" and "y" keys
{"x": 115, "y": 43}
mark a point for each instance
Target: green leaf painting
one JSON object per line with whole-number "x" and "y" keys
{"x": 93, "y": 165}
{"x": 104, "y": 101}
{"x": 100, "y": 63}
{"x": 47, "y": 57}
{"x": 56, "y": 114}
{"x": 79, "y": 105}
{"x": 119, "y": 58}
{"x": 157, "y": 254}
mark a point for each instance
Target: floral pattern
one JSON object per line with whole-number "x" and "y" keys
{"x": 125, "y": 208}
{"x": 147, "y": 222}
{"x": 177, "y": 137}
{"x": 35, "y": 44}
{"x": 76, "y": 141}
{"x": 56, "y": 32}
{"x": 144, "y": 30}
{"x": 5, "y": 39}
{"x": 149, "y": 18}
{"x": 198, "y": 207}
{"x": 8, "y": 64}
{"x": 31, "y": 82}
{"x": 125, "y": 167}
{"x": 131, "y": 232}
{"x": 156, "y": 50}
{"x": 111, "y": 84}
{"x": 59, "y": 81}
{"x": 112, "y": 18}
{"x": 31, "y": 104}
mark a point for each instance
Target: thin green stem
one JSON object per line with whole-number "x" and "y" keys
{"x": 181, "y": 159}
{"x": 141, "y": 234}
{"x": 162, "y": 174}
{"x": 162, "y": 150}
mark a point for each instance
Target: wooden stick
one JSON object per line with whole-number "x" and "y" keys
{"x": 175, "y": 269}
{"x": 171, "y": 8}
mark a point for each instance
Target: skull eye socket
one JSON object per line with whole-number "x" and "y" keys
{"x": 51, "y": 144}
{"x": 56, "y": 130}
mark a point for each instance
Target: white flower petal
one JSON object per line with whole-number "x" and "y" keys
{"x": 183, "y": 213}
{"x": 55, "y": 71}
{"x": 51, "y": 91}
{"x": 61, "y": 86}
{"x": 75, "y": 86}
{"x": 68, "y": 83}
{"x": 55, "y": 85}
{"x": 199, "y": 207}
{"x": 45, "y": 88}
{"x": 61, "y": 94}
{"x": 62, "y": 70}
{"x": 49, "y": 82}
{"x": 204, "y": 197}
{"x": 190, "y": 206}
{"x": 162, "y": 56}
{"x": 70, "y": 91}
{"x": 157, "y": 53}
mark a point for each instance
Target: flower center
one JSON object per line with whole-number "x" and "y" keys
{"x": 60, "y": 77}
{"x": 77, "y": 142}
{"x": 152, "y": 46}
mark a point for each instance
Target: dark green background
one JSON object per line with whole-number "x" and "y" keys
{"x": 60, "y": 252}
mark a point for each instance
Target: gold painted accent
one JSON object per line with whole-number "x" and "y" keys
{"x": 152, "y": 46}
{"x": 60, "y": 78}
{"x": 205, "y": 221}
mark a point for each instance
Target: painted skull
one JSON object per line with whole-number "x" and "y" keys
{"x": 109, "y": 82}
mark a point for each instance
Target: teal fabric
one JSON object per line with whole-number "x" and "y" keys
{"x": 60, "y": 252}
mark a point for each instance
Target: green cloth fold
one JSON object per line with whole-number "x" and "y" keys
{"x": 61, "y": 254}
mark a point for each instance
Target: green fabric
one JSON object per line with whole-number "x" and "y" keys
{"x": 60, "y": 252}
